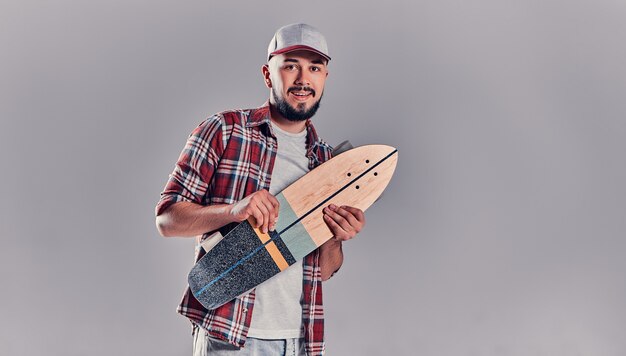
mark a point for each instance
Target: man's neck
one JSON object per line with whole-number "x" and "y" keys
{"x": 285, "y": 124}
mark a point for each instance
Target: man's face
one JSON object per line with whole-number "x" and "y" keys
{"x": 296, "y": 80}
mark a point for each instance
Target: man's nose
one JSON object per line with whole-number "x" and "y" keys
{"x": 303, "y": 78}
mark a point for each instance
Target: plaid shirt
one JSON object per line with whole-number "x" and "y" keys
{"x": 228, "y": 157}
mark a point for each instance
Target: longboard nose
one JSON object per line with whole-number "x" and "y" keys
{"x": 355, "y": 178}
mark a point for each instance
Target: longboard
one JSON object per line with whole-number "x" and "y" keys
{"x": 246, "y": 257}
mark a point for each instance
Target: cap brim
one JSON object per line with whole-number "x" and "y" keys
{"x": 296, "y": 48}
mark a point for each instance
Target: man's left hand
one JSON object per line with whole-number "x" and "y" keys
{"x": 344, "y": 221}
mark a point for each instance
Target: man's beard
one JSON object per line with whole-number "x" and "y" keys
{"x": 292, "y": 114}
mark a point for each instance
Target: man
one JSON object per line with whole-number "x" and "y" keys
{"x": 230, "y": 169}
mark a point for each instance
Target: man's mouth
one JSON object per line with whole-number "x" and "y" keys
{"x": 302, "y": 93}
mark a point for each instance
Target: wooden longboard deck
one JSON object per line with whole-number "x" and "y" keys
{"x": 246, "y": 257}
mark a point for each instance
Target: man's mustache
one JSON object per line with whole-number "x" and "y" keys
{"x": 310, "y": 90}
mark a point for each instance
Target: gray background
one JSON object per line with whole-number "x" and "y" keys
{"x": 502, "y": 232}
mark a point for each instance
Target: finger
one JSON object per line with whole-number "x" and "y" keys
{"x": 335, "y": 229}
{"x": 266, "y": 215}
{"x": 358, "y": 213}
{"x": 356, "y": 218}
{"x": 341, "y": 229}
{"x": 350, "y": 218}
{"x": 273, "y": 205}
{"x": 276, "y": 205}
{"x": 271, "y": 215}
{"x": 340, "y": 220}
{"x": 258, "y": 217}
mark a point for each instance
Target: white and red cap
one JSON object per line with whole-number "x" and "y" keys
{"x": 298, "y": 36}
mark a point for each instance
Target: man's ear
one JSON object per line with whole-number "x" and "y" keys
{"x": 266, "y": 75}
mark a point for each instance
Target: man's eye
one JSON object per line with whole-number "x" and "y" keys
{"x": 290, "y": 67}
{"x": 316, "y": 69}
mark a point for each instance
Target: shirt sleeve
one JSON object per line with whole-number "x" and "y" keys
{"x": 195, "y": 167}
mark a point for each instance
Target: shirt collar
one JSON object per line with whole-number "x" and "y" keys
{"x": 259, "y": 116}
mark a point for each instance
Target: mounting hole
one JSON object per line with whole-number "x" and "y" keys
{"x": 367, "y": 161}
{"x": 349, "y": 174}
{"x": 357, "y": 187}
{"x": 375, "y": 173}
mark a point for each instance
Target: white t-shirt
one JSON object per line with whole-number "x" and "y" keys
{"x": 277, "y": 312}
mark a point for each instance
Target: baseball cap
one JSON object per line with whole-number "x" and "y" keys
{"x": 297, "y": 36}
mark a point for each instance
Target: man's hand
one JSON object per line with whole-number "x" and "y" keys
{"x": 344, "y": 222}
{"x": 262, "y": 206}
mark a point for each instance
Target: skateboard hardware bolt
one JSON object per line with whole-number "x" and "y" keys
{"x": 375, "y": 173}
{"x": 349, "y": 174}
{"x": 357, "y": 187}
{"x": 367, "y": 161}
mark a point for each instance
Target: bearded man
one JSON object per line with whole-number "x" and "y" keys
{"x": 232, "y": 165}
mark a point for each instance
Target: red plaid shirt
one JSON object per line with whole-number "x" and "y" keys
{"x": 228, "y": 157}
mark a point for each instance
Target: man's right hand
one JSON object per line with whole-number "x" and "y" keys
{"x": 261, "y": 205}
